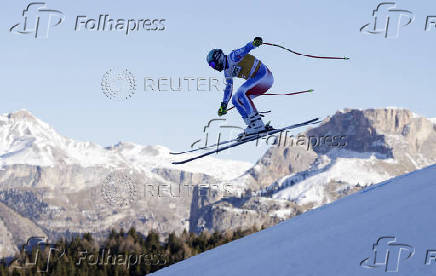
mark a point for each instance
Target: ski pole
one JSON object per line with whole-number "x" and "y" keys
{"x": 280, "y": 94}
{"x": 287, "y": 94}
{"x": 299, "y": 54}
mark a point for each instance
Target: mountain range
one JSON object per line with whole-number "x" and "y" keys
{"x": 53, "y": 186}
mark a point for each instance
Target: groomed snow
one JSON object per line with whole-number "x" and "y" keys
{"x": 336, "y": 238}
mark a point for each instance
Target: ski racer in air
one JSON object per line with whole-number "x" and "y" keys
{"x": 239, "y": 63}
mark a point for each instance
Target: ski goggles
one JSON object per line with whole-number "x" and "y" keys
{"x": 212, "y": 64}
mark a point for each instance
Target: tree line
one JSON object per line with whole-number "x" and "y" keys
{"x": 120, "y": 253}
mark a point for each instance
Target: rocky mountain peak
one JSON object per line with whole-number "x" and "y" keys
{"x": 377, "y": 130}
{"x": 388, "y": 133}
{"x": 20, "y": 115}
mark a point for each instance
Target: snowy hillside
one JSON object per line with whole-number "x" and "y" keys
{"x": 338, "y": 238}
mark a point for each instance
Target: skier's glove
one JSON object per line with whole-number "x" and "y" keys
{"x": 223, "y": 109}
{"x": 257, "y": 41}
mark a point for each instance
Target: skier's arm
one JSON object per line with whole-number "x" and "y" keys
{"x": 228, "y": 90}
{"x": 238, "y": 54}
{"x": 227, "y": 95}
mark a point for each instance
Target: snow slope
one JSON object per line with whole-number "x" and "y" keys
{"x": 336, "y": 238}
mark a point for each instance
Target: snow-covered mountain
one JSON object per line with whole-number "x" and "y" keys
{"x": 392, "y": 221}
{"x": 381, "y": 144}
{"x": 51, "y": 185}
{"x": 26, "y": 140}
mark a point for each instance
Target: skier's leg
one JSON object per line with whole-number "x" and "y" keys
{"x": 242, "y": 99}
{"x": 261, "y": 87}
{"x": 237, "y": 102}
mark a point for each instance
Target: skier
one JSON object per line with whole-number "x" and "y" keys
{"x": 239, "y": 63}
{"x": 258, "y": 80}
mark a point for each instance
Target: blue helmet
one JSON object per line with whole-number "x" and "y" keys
{"x": 215, "y": 59}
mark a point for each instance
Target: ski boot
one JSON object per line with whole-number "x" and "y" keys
{"x": 255, "y": 126}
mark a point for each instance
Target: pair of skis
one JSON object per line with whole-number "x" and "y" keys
{"x": 221, "y": 146}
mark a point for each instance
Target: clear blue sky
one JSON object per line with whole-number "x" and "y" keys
{"x": 58, "y": 79}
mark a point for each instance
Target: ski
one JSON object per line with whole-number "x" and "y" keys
{"x": 216, "y": 145}
{"x": 253, "y": 137}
